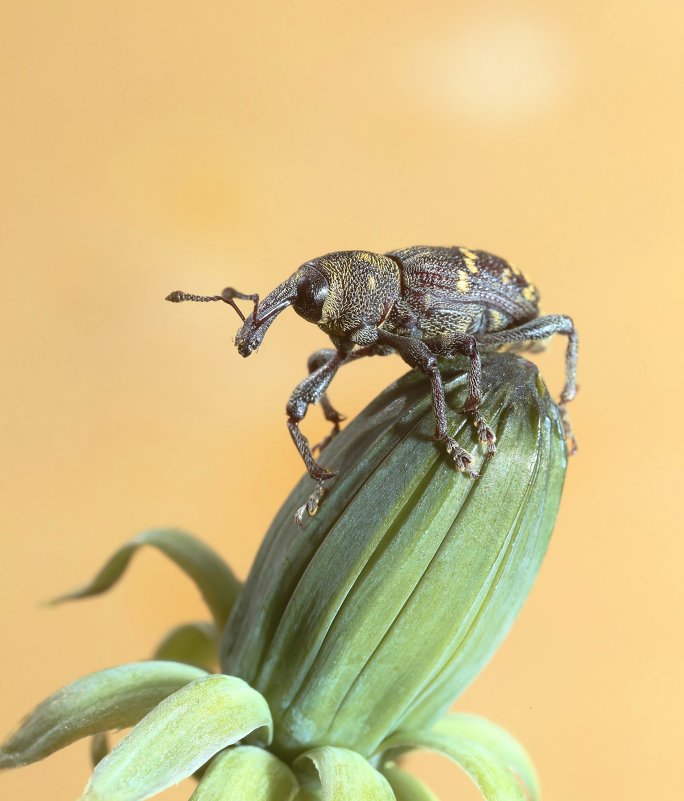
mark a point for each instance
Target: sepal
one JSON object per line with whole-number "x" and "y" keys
{"x": 344, "y": 775}
{"x": 248, "y": 773}
{"x": 108, "y": 699}
{"x": 213, "y": 577}
{"x": 178, "y": 736}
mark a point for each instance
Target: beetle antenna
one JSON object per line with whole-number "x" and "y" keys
{"x": 229, "y": 292}
{"x": 179, "y": 297}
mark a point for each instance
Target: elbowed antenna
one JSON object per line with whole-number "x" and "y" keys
{"x": 254, "y": 327}
{"x": 229, "y": 293}
{"x": 226, "y": 296}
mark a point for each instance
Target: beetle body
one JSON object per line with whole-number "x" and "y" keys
{"x": 470, "y": 291}
{"x": 419, "y": 302}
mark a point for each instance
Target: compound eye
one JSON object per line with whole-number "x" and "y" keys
{"x": 312, "y": 290}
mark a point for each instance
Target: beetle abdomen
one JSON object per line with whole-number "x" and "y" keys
{"x": 439, "y": 280}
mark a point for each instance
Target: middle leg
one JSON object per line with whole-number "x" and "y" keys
{"x": 417, "y": 354}
{"x": 458, "y": 344}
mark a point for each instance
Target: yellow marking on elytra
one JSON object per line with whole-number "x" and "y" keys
{"x": 470, "y": 259}
{"x": 371, "y": 282}
{"x": 530, "y": 293}
{"x": 463, "y": 285}
{"x": 496, "y": 317}
{"x": 505, "y": 275}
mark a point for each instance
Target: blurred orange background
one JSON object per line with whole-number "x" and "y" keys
{"x": 154, "y": 146}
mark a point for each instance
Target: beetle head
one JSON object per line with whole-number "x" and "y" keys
{"x": 306, "y": 291}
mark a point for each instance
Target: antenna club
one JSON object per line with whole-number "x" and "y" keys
{"x": 176, "y": 297}
{"x": 179, "y": 296}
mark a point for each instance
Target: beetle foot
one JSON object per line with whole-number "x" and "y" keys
{"x": 311, "y": 506}
{"x": 321, "y": 474}
{"x": 485, "y": 434}
{"x": 462, "y": 459}
{"x": 570, "y": 440}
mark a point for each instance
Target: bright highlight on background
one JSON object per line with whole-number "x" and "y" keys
{"x": 495, "y": 69}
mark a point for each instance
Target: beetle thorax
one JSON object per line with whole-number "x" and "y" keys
{"x": 363, "y": 288}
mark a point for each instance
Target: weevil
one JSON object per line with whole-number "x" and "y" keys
{"x": 422, "y": 303}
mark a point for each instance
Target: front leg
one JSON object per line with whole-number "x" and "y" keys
{"x": 317, "y": 360}
{"x": 309, "y": 391}
{"x": 417, "y": 354}
{"x": 322, "y": 357}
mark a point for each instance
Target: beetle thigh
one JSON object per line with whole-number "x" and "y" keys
{"x": 541, "y": 328}
{"x": 319, "y": 358}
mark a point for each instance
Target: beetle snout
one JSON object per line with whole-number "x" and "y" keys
{"x": 243, "y": 347}
{"x": 254, "y": 328}
{"x": 248, "y": 339}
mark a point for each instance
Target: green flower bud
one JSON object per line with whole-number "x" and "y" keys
{"x": 391, "y": 600}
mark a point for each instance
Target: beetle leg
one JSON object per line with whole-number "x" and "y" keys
{"x": 317, "y": 360}
{"x": 309, "y": 391}
{"x": 417, "y": 354}
{"x": 466, "y": 345}
{"x": 312, "y": 504}
{"x": 542, "y": 328}
{"x": 324, "y": 364}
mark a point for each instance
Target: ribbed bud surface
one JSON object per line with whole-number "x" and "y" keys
{"x": 386, "y": 605}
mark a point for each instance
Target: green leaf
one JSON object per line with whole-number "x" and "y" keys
{"x": 495, "y": 781}
{"x": 109, "y": 699}
{"x": 191, "y": 643}
{"x": 344, "y": 775}
{"x": 204, "y": 566}
{"x": 246, "y": 773}
{"x": 178, "y": 736}
{"x": 495, "y": 739}
{"x": 407, "y": 787}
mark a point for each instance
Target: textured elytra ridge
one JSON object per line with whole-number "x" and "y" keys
{"x": 383, "y": 609}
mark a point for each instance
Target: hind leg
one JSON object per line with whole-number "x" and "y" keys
{"x": 542, "y": 328}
